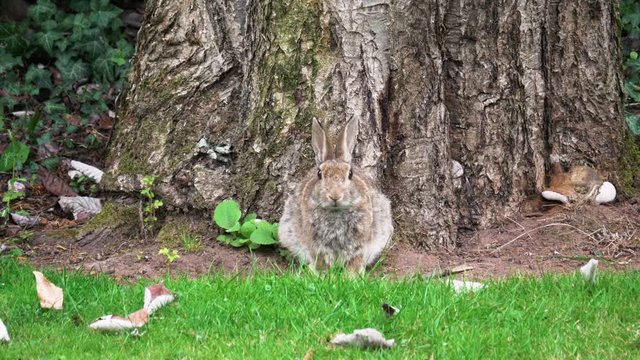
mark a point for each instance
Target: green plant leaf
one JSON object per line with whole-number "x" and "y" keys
{"x": 47, "y": 40}
{"x": 239, "y": 242}
{"x": 42, "y": 10}
{"x": 14, "y": 154}
{"x": 227, "y": 214}
{"x": 12, "y": 38}
{"x": 247, "y": 228}
{"x": 633, "y": 55}
{"x": 633, "y": 122}
{"x": 103, "y": 69}
{"x": 262, "y": 237}
{"x": 41, "y": 78}
{"x": 234, "y": 228}
{"x": 250, "y": 217}
{"x": 225, "y": 238}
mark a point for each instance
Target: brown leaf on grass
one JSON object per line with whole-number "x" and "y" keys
{"x": 54, "y": 184}
{"x": 51, "y": 296}
{"x": 308, "y": 355}
{"x": 115, "y": 322}
{"x": 156, "y": 296}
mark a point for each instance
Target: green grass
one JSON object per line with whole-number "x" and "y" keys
{"x": 282, "y": 316}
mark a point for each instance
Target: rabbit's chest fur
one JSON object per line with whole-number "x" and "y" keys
{"x": 336, "y": 233}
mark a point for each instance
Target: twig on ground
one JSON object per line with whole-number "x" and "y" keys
{"x": 542, "y": 227}
{"x": 447, "y": 272}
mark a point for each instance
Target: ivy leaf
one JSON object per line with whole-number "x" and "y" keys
{"x": 52, "y": 107}
{"x": 42, "y": 10}
{"x": 262, "y": 237}
{"x": 633, "y": 122}
{"x": 103, "y": 69}
{"x": 47, "y": 40}
{"x": 93, "y": 48}
{"x": 12, "y": 38}
{"x": 8, "y": 62}
{"x": 41, "y": 78}
{"x": 238, "y": 242}
{"x": 71, "y": 70}
{"x": 14, "y": 154}
{"x": 227, "y": 214}
{"x": 104, "y": 18}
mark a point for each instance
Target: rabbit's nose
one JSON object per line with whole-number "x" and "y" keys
{"x": 335, "y": 197}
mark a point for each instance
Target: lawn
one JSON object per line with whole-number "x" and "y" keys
{"x": 283, "y": 316}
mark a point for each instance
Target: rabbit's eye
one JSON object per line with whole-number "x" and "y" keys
{"x": 350, "y": 174}
{"x": 319, "y": 174}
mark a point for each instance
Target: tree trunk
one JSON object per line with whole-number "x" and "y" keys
{"x": 501, "y": 87}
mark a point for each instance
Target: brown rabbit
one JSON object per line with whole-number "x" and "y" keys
{"x": 336, "y": 215}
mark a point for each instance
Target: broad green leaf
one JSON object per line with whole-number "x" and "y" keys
{"x": 225, "y": 238}
{"x": 234, "y": 228}
{"x": 633, "y": 55}
{"x": 14, "y": 154}
{"x": 247, "y": 228}
{"x": 262, "y": 237}
{"x": 227, "y": 214}
{"x": 238, "y": 242}
{"x": 274, "y": 231}
{"x": 250, "y": 217}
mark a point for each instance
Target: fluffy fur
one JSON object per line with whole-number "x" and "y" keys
{"x": 335, "y": 214}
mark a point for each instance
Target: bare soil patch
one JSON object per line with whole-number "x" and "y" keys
{"x": 558, "y": 240}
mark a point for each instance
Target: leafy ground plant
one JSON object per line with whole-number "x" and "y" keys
{"x": 171, "y": 255}
{"x": 152, "y": 204}
{"x": 190, "y": 242}
{"x": 291, "y": 314}
{"x": 251, "y": 231}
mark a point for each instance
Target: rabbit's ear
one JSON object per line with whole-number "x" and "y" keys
{"x": 347, "y": 140}
{"x": 320, "y": 142}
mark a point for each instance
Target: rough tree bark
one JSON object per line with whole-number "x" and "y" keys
{"x": 499, "y": 86}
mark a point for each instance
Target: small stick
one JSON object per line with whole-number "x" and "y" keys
{"x": 448, "y": 272}
{"x": 542, "y": 227}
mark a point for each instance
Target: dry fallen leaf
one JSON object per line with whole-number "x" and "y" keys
{"x": 4, "y": 335}
{"x": 88, "y": 170}
{"x": 82, "y": 207}
{"x": 156, "y": 296}
{"x": 51, "y": 296}
{"x": 25, "y": 221}
{"x": 589, "y": 271}
{"x": 364, "y": 339}
{"x": 464, "y": 286}
{"x": 116, "y": 323}
{"x": 54, "y": 184}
